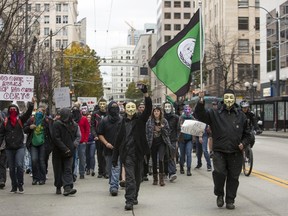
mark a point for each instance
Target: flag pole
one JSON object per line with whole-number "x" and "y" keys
{"x": 200, "y": 21}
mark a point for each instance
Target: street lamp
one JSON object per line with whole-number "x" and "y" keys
{"x": 251, "y": 87}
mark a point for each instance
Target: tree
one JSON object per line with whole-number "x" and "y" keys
{"x": 81, "y": 68}
{"x": 134, "y": 93}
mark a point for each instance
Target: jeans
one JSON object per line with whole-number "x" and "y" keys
{"x": 171, "y": 161}
{"x": 113, "y": 172}
{"x": 186, "y": 152}
{"x": 90, "y": 155}
{"x": 38, "y": 162}
{"x": 203, "y": 149}
{"x": 15, "y": 159}
{"x": 82, "y": 158}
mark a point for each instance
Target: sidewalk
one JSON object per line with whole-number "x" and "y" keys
{"x": 280, "y": 134}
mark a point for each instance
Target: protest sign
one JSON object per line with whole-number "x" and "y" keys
{"x": 62, "y": 97}
{"x": 16, "y": 87}
{"x": 90, "y": 101}
{"x": 193, "y": 127}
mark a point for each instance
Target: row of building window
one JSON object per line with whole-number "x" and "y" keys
{"x": 243, "y": 23}
{"x": 46, "y": 7}
{"x": 58, "y": 43}
{"x": 59, "y": 19}
{"x": 63, "y": 31}
{"x": 177, "y": 4}
{"x": 177, "y": 15}
{"x": 245, "y": 3}
{"x": 243, "y": 45}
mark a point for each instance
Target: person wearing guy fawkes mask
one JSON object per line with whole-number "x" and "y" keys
{"x": 131, "y": 144}
{"x": 173, "y": 120}
{"x": 109, "y": 125}
{"x": 66, "y": 135}
{"x": 230, "y": 133}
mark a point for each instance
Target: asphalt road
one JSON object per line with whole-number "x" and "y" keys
{"x": 264, "y": 193}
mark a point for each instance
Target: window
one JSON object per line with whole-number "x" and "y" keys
{"x": 46, "y": 31}
{"x": 257, "y": 23}
{"x": 177, "y": 16}
{"x": 243, "y": 23}
{"x": 167, "y": 27}
{"x": 65, "y": 19}
{"x": 46, "y": 43}
{"x": 187, "y": 4}
{"x": 243, "y": 71}
{"x": 257, "y": 3}
{"x": 243, "y": 3}
{"x": 187, "y": 15}
{"x": 29, "y": 7}
{"x": 65, "y": 32}
{"x": 257, "y": 45}
{"x": 167, "y": 38}
{"x": 65, "y": 43}
{"x": 46, "y": 19}
{"x": 58, "y": 7}
{"x": 58, "y": 43}
{"x": 167, "y": 4}
{"x": 167, "y": 15}
{"x": 177, "y": 27}
{"x": 177, "y": 4}
{"x": 243, "y": 46}
{"x": 65, "y": 7}
{"x": 58, "y": 19}
{"x": 37, "y": 7}
{"x": 46, "y": 7}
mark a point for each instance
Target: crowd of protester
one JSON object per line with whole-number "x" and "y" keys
{"x": 128, "y": 142}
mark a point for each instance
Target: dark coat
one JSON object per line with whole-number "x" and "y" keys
{"x": 229, "y": 127}
{"x": 139, "y": 136}
{"x": 14, "y": 135}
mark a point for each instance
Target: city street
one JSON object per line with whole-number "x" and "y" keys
{"x": 263, "y": 193}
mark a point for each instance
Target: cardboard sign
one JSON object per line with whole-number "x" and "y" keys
{"x": 62, "y": 97}
{"x": 16, "y": 87}
{"x": 193, "y": 127}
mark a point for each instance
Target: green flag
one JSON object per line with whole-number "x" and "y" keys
{"x": 170, "y": 99}
{"x": 174, "y": 62}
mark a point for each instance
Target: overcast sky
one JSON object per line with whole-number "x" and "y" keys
{"x": 106, "y": 19}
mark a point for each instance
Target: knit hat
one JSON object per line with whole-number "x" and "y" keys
{"x": 229, "y": 91}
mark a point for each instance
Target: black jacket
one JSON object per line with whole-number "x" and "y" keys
{"x": 229, "y": 127}
{"x": 173, "y": 120}
{"x": 141, "y": 145}
{"x": 14, "y": 135}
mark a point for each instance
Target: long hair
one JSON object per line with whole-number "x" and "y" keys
{"x": 161, "y": 117}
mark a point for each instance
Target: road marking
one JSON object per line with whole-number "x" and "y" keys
{"x": 270, "y": 178}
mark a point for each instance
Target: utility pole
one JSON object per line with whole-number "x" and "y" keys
{"x": 50, "y": 94}
{"x": 277, "y": 56}
{"x": 26, "y": 39}
{"x": 253, "y": 75}
{"x": 62, "y": 67}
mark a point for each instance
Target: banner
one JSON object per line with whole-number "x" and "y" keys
{"x": 90, "y": 101}
{"x": 16, "y": 87}
{"x": 193, "y": 127}
{"x": 62, "y": 97}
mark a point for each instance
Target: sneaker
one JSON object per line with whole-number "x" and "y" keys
{"x": 82, "y": 177}
{"x": 198, "y": 166}
{"x": 129, "y": 207}
{"x": 41, "y": 182}
{"x": 93, "y": 173}
{"x": 2, "y": 185}
{"x": 135, "y": 202}
{"x": 58, "y": 190}
{"x": 209, "y": 169}
{"x": 220, "y": 201}
{"x": 230, "y": 206}
{"x": 145, "y": 178}
{"x": 173, "y": 177}
{"x": 21, "y": 189}
{"x": 28, "y": 171}
{"x": 88, "y": 172}
{"x": 114, "y": 192}
{"x": 69, "y": 191}
{"x": 13, "y": 190}
{"x": 34, "y": 182}
{"x": 99, "y": 176}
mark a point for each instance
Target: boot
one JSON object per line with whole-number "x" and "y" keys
{"x": 161, "y": 179}
{"x": 189, "y": 172}
{"x": 155, "y": 179}
{"x": 182, "y": 169}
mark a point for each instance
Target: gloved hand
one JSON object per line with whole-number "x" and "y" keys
{"x": 144, "y": 88}
{"x": 114, "y": 163}
{"x": 68, "y": 153}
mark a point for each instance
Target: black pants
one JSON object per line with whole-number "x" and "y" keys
{"x": 3, "y": 166}
{"x": 133, "y": 170}
{"x": 62, "y": 167}
{"x": 146, "y": 165}
{"x": 227, "y": 168}
{"x": 100, "y": 158}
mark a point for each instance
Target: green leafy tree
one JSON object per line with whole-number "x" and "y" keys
{"x": 81, "y": 68}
